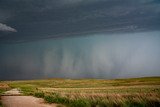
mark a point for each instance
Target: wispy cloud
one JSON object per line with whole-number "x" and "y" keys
{"x": 5, "y": 28}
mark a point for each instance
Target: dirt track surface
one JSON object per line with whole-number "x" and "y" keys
{"x": 14, "y": 98}
{"x": 13, "y": 92}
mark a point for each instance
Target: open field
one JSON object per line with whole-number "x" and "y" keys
{"x": 139, "y": 92}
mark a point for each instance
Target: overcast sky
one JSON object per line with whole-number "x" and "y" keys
{"x": 79, "y": 39}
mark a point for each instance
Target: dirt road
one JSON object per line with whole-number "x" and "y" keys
{"x": 14, "y": 98}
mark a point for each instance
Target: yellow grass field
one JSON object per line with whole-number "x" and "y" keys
{"x": 134, "y": 92}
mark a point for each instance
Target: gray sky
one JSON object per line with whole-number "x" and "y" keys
{"x": 79, "y": 38}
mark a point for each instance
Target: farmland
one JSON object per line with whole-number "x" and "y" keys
{"x": 132, "y": 92}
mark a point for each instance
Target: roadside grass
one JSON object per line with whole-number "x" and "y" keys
{"x": 2, "y": 90}
{"x": 3, "y": 87}
{"x": 39, "y": 94}
{"x": 134, "y": 92}
{"x": 1, "y": 104}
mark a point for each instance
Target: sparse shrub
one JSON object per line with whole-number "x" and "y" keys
{"x": 57, "y": 99}
{"x": 61, "y": 100}
{"x": 0, "y": 103}
{"x": 79, "y": 103}
{"x": 49, "y": 99}
{"x": 39, "y": 94}
{"x": 97, "y": 103}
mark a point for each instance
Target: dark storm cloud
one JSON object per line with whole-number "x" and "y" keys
{"x": 38, "y": 19}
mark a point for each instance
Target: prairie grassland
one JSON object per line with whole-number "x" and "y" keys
{"x": 141, "y": 92}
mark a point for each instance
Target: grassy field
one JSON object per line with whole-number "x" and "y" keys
{"x": 3, "y": 88}
{"x": 135, "y": 92}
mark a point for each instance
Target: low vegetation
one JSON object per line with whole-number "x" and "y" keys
{"x": 3, "y": 88}
{"x": 136, "y": 92}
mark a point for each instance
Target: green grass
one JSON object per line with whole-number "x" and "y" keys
{"x": 39, "y": 94}
{"x": 1, "y": 104}
{"x": 3, "y": 88}
{"x": 1, "y": 91}
{"x": 134, "y": 92}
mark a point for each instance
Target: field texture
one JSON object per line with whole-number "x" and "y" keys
{"x": 136, "y": 92}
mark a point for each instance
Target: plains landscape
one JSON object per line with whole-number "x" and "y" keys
{"x": 134, "y": 92}
{"x": 80, "y": 53}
